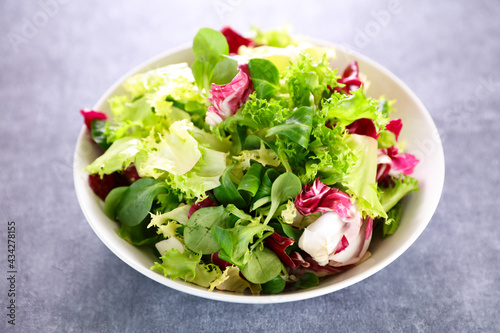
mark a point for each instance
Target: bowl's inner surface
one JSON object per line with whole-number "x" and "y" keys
{"x": 422, "y": 140}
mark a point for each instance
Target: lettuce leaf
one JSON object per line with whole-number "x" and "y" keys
{"x": 178, "y": 265}
{"x": 149, "y": 81}
{"x": 393, "y": 220}
{"x": 297, "y": 127}
{"x": 231, "y": 280}
{"x": 203, "y": 177}
{"x": 332, "y": 158}
{"x": 175, "y": 152}
{"x": 209, "y": 47}
{"x": 157, "y": 98}
{"x": 360, "y": 180}
{"x": 187, "y": 266}
{"x": 345, "y": 109}
{"x": 276, "y": 38}
{"x": 402, "y": 186}
{"x": 118, "y": 156}
{"x": 307, "y": 81}
{"x": 176, "y": 156}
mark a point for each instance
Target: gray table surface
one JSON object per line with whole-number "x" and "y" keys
{"x": 57, "y": 56}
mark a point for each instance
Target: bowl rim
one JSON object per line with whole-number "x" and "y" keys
{"x": 231, "y": 297}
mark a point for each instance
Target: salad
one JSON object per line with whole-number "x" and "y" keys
{"x": 257, "y": 168}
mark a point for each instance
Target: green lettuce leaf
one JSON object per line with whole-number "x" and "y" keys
{"x": 157, "y": 98}
{"x": 275, "y": 38}
{"x": 204, "y": 176}
{"x": 308, "y": 81}
{"x": 361, "y": 179}
{"x": 297, "y": 127}
{"x": 235, "y": 242}
{"x": 393, "y": 194}
{"x": 345, "y": 109}
{"x": 175, "y": 152}
{"x": 118, "y": 157}
{"x": 178, "y": 265}
{"x": 204, "y": 275}
{"x": 331, "y": 157}
{"x": 137, "y": 200}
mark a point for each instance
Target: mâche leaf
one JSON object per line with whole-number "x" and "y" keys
{"x": 262, "y": 266}
{"x": 197, "y": 233}
{"x": 285, "y": 187}
{"x": 265, "y": 77}
{"x": 138, "y": 199}
{"x": 209, "y": 46}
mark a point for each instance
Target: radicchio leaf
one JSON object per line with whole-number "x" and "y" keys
{"x": 363, "y": 126}
{"x": 313, "y": 267}
{"x": 391, "y": 163}
{"x": 395, "y": 127}
{"x": 278, "y": 244}
{"x": 344, "y": 243}
{"x": 235, "y": 40}
{"x": 350, "y": 78}
{"x": 219, "y": 262}
{"x": 131, "y": 173}
{"x": 90, "y": 115}
{"x": 101, "y": 186}
{"x": 318, "y": 197}
{"x": 228, "y": 98}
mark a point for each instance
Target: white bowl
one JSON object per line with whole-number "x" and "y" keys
{"x": 419, "y": 131}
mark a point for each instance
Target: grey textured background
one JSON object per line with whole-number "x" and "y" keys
{"x": 59, "y": 56}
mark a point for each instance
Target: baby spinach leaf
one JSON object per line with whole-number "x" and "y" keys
{"x": 267, "y": 182}
{"x": 235, "y": 241}
{"x": 224, "y": 239}
{"x": 252, "y": 141}
{"x": 274, "y": 286}
{"x": 251, "y": 180}
{"x": 239, "y": 213}
{"x": 262, "y": 266}
{"x": 285, "y": 187}
{"x": 297, "y": 127}
{"x": 292, "y": 232}
{"x": 265, "y": 77}
{"x": 197, "y": 234}
{"x": 208, "y": 46}
{"x": 138, "y": 199}
{"x": 112, "y": 200}
{"x": 308, "y": 280}
{"x": 227, "y": 193}
{"x": 224, "y": 72}
{"x": 139, "y": 234}
{"x": 259, "y": 203}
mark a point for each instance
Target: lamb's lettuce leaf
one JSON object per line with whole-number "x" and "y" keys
{"x": 209, "y": 47}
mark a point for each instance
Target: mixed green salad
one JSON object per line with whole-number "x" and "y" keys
{"x": 257, "y": 168}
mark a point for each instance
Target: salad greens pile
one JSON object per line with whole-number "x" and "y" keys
{"x": 256, "y": 167}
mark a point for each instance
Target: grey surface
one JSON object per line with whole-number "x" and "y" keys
{"x": 68, "y": 281}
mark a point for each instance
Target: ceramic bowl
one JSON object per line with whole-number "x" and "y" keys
{"x": 422, "y": 140}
